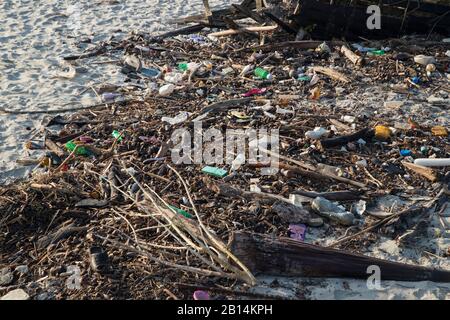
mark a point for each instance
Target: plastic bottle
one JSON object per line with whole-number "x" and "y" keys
{"x": 433, "y": 162}
{"x": 332, "y": 211}
{"x": 263, "y": 74}
{"x": 166, "y": 90}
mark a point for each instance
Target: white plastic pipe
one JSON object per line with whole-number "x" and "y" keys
{"x": 433, "y": 162}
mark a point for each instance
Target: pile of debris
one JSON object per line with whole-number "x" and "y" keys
{"x": 363, "y": 156}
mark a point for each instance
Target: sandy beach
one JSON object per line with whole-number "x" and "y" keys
{"x": 35, "y": 35}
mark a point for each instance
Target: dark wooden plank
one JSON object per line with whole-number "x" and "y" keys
{"x": 264, "y": 254}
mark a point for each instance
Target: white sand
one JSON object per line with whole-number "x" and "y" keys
{"x": 34, "y": 35}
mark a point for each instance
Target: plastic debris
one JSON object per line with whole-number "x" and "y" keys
{"x": 263, "y": 74}
{"x": 439, "y": 131}
{"x": 297, "y": 231}
{"x": 201, "y": 295}
{"x": 166, "y": 90}
{"x": 332, "y": 211}
{"x": 216, "y": 172}
{"x": 316, "y": 134}
{"x": 382, "y": 132}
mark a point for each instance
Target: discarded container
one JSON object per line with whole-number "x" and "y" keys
{"x": 348, "y": 119}
{"x": 439, "y": 131}
{"x": 332, "y": 211}
{"x": 150, "y": 72}
{"x": 188, "y": 66}
{"x": 382, "y": 132}
{"x": 433, "y": 162}
{"x": 415, "y": 80}
{"x": 316, "y": 134}
{"x": 216, "y": 172}
{"x": 424, "y": 60}
{"x": 263, "y": 74}
{"x": 173, "y": 77}
{"x": 166, "y": 90}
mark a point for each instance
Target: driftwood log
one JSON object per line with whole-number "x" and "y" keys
{"x": 286, "y": 257}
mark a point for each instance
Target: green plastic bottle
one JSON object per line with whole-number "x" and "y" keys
{"x": 263, "y": 74}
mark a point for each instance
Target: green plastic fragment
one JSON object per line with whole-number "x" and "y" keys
{"x": 304, "y": 78}
{"x": 378, "y": 52}
{"x": 183, "y": 66}
{"x": 116, "y": 134}
{"x": 182, "y": 212}
{"x": 216, "y": 172}
{"x": 81, "y": 151}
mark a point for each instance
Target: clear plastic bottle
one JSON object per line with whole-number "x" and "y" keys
{"x": 332, "y": 211}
